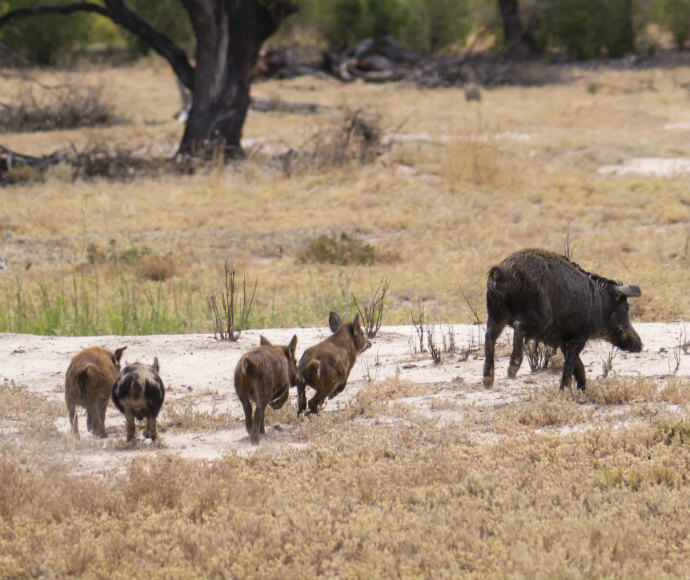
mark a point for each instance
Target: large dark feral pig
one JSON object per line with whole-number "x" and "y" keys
{"x": 88, "y": 382}
{"x": 263, "y": 376}
{"x": 326, "y": 366}
{"x": 550, "y": 298}
{"x": 139, "y": 393}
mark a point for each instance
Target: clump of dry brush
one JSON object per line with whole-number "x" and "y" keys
{"x": 342, "y": 249}
{"x": 357, "y": 137}
{"x": 230, "y": 308}
{"x": 63, "y": 107}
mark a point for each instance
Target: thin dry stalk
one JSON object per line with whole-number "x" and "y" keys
{"x": 607, "y": 362}
{"x": 372, "y": 311}
{"x": 539, "y": 355}
{"x": 434, "y": 348}
{"x": 230, "y": 317}
{"x": 472, "y": 307}
{"x": 369, "y": 375}
{"x": 677, "y": 352}
{"x": 448, "y": 339}
{"x": 418, "y": 324}
{"x": 474, "y": 345}
{"x": 568, "y": 250}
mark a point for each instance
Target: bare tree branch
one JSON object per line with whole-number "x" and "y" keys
{"x": 122, "y": 15}
{"x": 119, "y": 12}
{"x": 229, "y": 35}
{"x": 52, "y": 9}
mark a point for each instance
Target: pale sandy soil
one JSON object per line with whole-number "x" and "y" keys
{"x": 198, "y": 370}
{"x": 651, "y": 166}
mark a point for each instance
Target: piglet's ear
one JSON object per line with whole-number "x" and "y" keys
{"x": 118, "y": 355}
{"x": 334, "y": 321}
{"x": 627, "y": 290}
{"x": 263, "y": 341}
{"x": 155, "y": 365}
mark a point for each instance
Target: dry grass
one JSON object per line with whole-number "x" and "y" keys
{"x": 60, "y": 108}
{"x": 617, "y": 390}
{"x": 29, "y": 415}
{"x": 157, "y": 268}
{"x": 399, "y": 495}
{"x": 449, "y": 204}
{"x": 621, "y": 390}
{"x": 403, "y": 502}
{"x": 340, "y": 249}
{"x": 546, "y": 407}
{"x": 19, "y": 402}
{"x": 444, "y": 404}
{"x": 374, "y": 399}
{"x": 354, "y": 139}
{"x": 676, "y": 391}
{"x": 186, "y": 416}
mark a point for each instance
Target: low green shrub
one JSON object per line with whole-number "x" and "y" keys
{"x": 674, "y": 15}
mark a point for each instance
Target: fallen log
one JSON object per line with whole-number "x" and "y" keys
{"x": 271, "y": 105}
{"x": 11, "y": 160}
{"x": 387, "y": 60}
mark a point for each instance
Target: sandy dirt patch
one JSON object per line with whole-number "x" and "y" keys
{"x": 198, "y": 370}
{"x": 651, "y": 166}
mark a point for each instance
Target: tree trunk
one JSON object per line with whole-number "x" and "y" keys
{"x": 229, "y": 36}
{"x": 519, "y": 42}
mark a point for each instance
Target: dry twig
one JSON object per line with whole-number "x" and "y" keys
{"x": 372, "y": 311}
{"x": 230, "y": 317}
{"x": 568, "y": 250}
{"x": 607, "y": 362}
{"x": 471, "y": 306}
{"x": 434, "y": 348}
{"x": 418, "y": 324}
{"x": 539, "y": 355}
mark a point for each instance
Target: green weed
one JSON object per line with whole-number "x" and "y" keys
{"x": 79, "y": 310}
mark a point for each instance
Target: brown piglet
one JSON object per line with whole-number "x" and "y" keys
{"x": 88, "y": 383}
{"x": 263, "y": 376}
{"x": 326, "y": 366}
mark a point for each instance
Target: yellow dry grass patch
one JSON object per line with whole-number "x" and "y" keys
{"x": 544, "y": 407}
{"x": 365, "y": 499}
{"x": 187, "y": 416}
{"x": 375, "y": 492}
{"x": 623, "y": 390}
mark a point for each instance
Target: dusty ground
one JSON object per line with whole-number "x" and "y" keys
{"x": 202, "y": 418}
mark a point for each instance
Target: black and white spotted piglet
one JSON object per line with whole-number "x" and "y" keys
{"x": 138, "y": 392}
